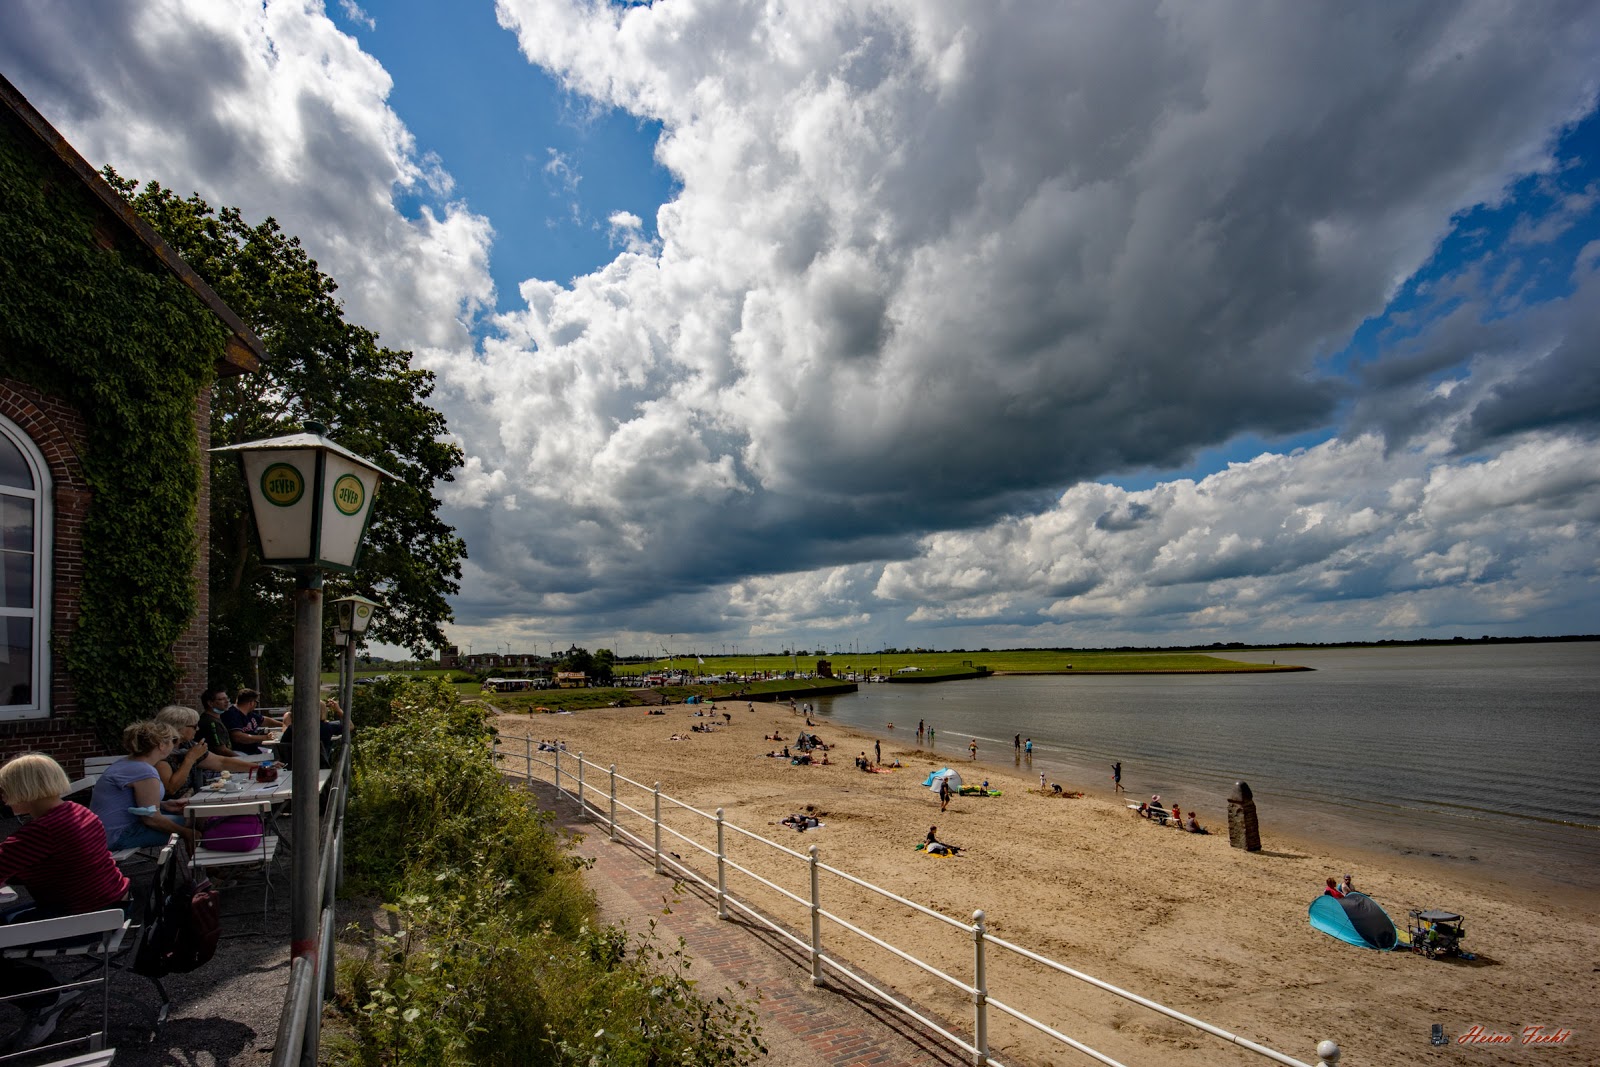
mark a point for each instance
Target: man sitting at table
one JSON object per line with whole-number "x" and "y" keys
{"x": 212, "y": 730}
{"x": 247, "y": 727}
{"x": 60, "y": 855}
{"x": 184, "y": 769}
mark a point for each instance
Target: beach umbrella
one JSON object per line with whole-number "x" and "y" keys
{"x": 944, "y": 774}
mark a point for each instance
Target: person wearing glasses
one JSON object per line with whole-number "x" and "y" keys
{"x": 211, "y": 729}
{"x": 130, "y": 797}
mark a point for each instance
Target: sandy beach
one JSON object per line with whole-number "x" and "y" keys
{"x": 1182, "y": 919}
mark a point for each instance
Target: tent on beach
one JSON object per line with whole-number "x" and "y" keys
{"x": 1355, "y": 919}
{"x": 941, "y": 775}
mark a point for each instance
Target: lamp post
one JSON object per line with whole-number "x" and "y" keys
{"x": 311, "y": 501}
{"x": 354, "y": 616}
{"x": 255, "y": 654}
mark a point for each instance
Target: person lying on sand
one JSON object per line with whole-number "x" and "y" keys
{"x": 800, "y": 822}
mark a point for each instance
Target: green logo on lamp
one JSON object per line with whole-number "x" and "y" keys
{"x": 349, "y": 494}
{"x": 282, "y": 485}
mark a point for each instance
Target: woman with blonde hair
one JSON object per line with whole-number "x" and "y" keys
{"x": 180, "y": 771}
{"x": 60, "y": 855}
{"x": 130, "y": 796}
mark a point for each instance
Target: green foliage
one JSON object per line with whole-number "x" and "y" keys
{"x": 322, "y": 369}
{"x": 498, "y": 959}
{"x": 90, "y": 314}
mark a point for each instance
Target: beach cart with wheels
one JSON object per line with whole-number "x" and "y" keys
{"x": 1435, "y": 932}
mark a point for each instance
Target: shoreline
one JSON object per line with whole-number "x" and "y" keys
{"x": 1183, "y": 919}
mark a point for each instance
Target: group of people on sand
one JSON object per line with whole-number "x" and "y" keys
{"x": 1340, "y": 888}
{"x": 1154, "y": 810}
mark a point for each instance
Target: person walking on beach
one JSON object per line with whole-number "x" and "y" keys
{"x": 944, "y": 793}
{"x": 1016, "y": 745}
{"x": 877, "y": 752}
{"x": 921, "y": 729}
{"x": 972, "y": 748}
{"x": 1116, "y": 776}
{"x": 930, "y": 737}
{"x": 1027, "y": 748}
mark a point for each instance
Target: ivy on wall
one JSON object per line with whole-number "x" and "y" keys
{"x": 113, "y": 332}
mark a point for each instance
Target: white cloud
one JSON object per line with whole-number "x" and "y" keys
{"x": 923, "y": 268}
{"x": 354, "y": 13}
{"x": 271, "y": 108}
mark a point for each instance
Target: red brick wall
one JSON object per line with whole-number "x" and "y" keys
{"x": 59, "y": 432}
{"x": 193, "y": 648}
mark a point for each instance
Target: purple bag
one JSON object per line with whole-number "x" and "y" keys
{"x": 233, "y": 833}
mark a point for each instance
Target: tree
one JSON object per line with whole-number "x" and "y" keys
{"x": 320, "y": 368}
{"x": 605, "y": 662}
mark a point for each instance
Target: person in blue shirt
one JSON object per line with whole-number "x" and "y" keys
{"x": 247, "y": 727}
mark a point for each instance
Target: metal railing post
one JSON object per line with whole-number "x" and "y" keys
{"x": 1327, "y": 1053}
{"x": 582, "y": 811}
{"x": 558, "y": 769}
{"x": 722, "y": 871}
{"x": 658, "y": 827}
{"x": 980, "y": 995}
{"x": 816, "y": 920}
{"x": 527, "y": 763}
{"x": 613, "y": 802}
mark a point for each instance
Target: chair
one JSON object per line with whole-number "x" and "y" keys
{"x": 93, "y": 768}
{"x": 97, "y": 933}
{"x": 261, "y": 856}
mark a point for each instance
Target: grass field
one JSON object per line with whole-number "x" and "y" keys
{"x": 1027, "y": 660}
{"x": 931, "y": 665}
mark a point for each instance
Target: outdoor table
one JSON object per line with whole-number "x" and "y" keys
{"x": 278, "y": 792}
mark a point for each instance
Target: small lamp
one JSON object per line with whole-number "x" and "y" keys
{"x": 311, "y": 499}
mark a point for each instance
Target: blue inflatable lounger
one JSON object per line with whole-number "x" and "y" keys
{"x": 1355, "y": 919}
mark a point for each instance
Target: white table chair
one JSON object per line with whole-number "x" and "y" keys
{"x": 96, "y": 934}
{"x": 258, "y": 857}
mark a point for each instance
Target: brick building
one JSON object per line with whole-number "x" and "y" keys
{"x": 44, "y": 494}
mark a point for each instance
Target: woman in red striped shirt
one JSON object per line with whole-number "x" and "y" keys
{"x": 60, "y": 855}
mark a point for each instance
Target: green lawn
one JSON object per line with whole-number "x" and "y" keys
{"x": 1037, "y": 661}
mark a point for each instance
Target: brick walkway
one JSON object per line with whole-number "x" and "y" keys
{"x": 803, "y": 1026}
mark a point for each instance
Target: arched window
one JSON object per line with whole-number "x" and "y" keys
{"x": 24, "y": 576}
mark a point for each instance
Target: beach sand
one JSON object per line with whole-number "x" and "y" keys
{"x": 1181, "y": 919}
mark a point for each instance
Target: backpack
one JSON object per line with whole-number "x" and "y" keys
{"x": 183, "y": 920}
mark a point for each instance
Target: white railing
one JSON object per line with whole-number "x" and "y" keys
{"x": 572, "y": 766}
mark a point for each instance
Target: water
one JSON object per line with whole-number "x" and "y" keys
{"x": 1481, "y": 756}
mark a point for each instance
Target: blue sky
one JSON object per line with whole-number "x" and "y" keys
{"x": 981, "y": 326}
{"x": 538, "y": 161}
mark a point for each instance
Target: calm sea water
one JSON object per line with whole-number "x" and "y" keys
{"x": 1487, "y": 757}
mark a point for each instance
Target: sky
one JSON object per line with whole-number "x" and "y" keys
{"x": 918, "y": 324}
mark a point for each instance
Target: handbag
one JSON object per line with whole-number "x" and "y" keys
{"x": 233, "y": 833}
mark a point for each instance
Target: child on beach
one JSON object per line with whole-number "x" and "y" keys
{"x": 972, "y": 748}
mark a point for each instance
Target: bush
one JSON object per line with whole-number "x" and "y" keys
{"x": 498, "y": 959}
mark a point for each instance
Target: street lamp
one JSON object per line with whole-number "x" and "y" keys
{"x": 311, "y": 501}
{"x": 353, "y": 614}
{"x": 255, "y": 654}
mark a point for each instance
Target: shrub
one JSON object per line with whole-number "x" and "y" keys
{"x": 498, "y": 959}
